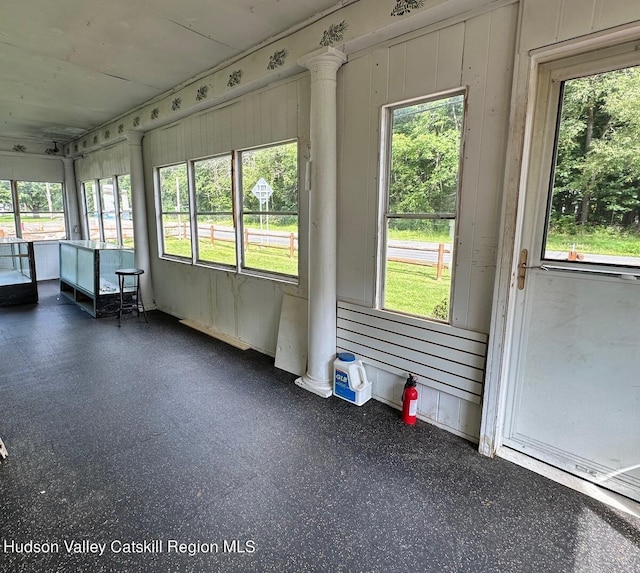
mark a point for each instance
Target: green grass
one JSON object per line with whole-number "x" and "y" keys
{"x": 596, "y": 241}
{"x": 426, "y": 236}
{"x": 414, "y": 289}
{"x": 270, "y": 259}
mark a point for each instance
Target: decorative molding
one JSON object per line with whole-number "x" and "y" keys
{"x": 75, "y": 148}
{"x": 335, "y": 33}
{"x": 107, "y": 134}
{"x": 136, "y": 121}
{"x": 277, "y": 59}
{"x": 155, "y": 112}
{"x": 176, "y": 103}
{"x": 84, "y": 143}
{"x": 405, "y": 6}
{"x": 234, "y": 78}
{"x": 19, "y": 148}
{"x": 121, "y": 128}
{"x": 95, "y": 139}
{"x": 202, "y": 92}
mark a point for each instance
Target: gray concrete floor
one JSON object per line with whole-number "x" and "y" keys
{"x": 156, "y": 433}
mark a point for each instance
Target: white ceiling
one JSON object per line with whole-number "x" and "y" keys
{"x": 67, "y": 66}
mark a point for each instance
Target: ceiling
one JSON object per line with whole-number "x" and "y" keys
{"x": 68, "y": 66}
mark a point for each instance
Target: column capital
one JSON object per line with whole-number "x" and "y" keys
{"x": 323, "y": 57}
{"x": 134, "y": 137}
{"x": 68, "y": 161}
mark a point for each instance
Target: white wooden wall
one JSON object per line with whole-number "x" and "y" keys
{"x": 243, "y": 307}
{"x": 547, "y": 22}
{"x": 26, "y": 167}
{"x": 105, "y": 162}
{"x": 477, "y": 54}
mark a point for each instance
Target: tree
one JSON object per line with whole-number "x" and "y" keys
{"x": 425, "y": 158}
{"x": 597, "y": 174}
{"x": 5, "y": 194}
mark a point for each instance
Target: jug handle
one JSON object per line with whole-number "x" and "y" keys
{"x": 362, "y": 374}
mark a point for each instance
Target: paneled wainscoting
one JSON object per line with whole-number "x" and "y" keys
{"x": 448, "y": 362}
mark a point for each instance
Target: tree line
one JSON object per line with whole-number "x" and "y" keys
{"x": 597, "y": 169}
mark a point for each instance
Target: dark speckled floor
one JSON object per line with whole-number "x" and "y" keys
{"x": 157, "y": 432}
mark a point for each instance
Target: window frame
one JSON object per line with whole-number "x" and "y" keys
{"x": 198, "y": 260}
{"x": 385, "y": 164}
{"x": 100, "y": 210}
{"x": 553, "y": 76}
{"x": 241, "y": 212}
{"x": 239, "y": 266}
{"x": 17, "y": 212}
{"x": 160, "y": 213}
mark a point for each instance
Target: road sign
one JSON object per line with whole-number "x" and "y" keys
{"x": 262, "y": 191}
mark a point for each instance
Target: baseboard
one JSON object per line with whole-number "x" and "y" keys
{"x": 454, "y": 431}
{"x": 215, "y": 334}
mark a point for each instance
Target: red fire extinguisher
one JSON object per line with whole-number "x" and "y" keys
{"x": 410, "y": 401}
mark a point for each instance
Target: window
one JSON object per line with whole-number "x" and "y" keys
{"x": 249, "y": 222}
{"x": 32, "y": 210}
{"x": 7, "y": 215}
{"x": 420, "y": 203}
{"x": 270, "y": 208}
{"x": 108, "y": 212}
{"x": 123, "y": 184}
{"x": 214, "y": 210}
{"x": 594, "y": 207}
{"x": 174, "y": 210}
{"x": 92, "y": 212}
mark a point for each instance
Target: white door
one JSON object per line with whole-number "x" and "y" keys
{"x": 574, "y": 368}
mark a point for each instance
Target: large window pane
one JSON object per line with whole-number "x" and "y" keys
{"x": 594, "y": 210}
{"x": 41, "y": 208}
{"x": 93, "y": 216}
{"x": 270, "y": 208}
{"x": 174, "y": 204}
{"x": 108, "y": 210}
{"x": 422, "y": 198}
{"x": 7, "y": 214}
{"x": 126, "y": 211}
{"x": 214, "y": 210}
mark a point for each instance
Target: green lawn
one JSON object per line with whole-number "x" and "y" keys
{"x": 599, "y": 241}
{"x": 414, "y": 289}
{"x": 258, "y": 257}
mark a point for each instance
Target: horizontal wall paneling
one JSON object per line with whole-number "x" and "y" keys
{"x": 445, "y": 358}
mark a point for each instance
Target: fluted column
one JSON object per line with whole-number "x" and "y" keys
{"x": 140, "y": 226}
{"x": 72, "y": 200}
{"x": 323, "y": 65}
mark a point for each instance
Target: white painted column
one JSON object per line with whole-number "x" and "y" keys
{"x": 323, "y": 65}
{"x": 139, "y": 208}
{"x": 72, "y": 200}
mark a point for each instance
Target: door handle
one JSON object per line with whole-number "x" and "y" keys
{"x": 522, "y": 267}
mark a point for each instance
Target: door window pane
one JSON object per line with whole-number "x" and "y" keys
{"x": 594, "y": 208}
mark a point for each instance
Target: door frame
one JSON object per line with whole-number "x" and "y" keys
{"x": 505, "y": 305}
